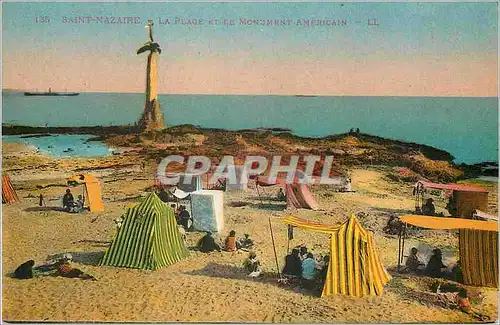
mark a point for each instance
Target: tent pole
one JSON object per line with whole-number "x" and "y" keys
{"x": 403, "y": 244}
{"x": 399, "y": 249}
{"x": 274, "y": 248}
{"x": 287, "y": 244}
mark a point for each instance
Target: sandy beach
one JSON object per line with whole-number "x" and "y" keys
{"x": 207, "y": 287}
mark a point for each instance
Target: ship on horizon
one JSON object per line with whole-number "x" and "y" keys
{"x": 50, "y": 93}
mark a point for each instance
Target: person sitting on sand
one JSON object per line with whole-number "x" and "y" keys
{"x": 80, "y": 204}
{"x": 463, "y": 301}
{"x": 322, "y": 267}
{"x": 413, "y": 264}
{"x": 451, "y": 206}
{"x": 68, "y": 200}
{"x": 281, "y": 195}
{"x": 25, "y": 270}
{"x": 435, "y": 268}
{"x": 252, "y": 265}
{"x": 230, "y": 242}
{"x": 50, "y": 266}
{"x": 245, "y": 243}
{"x": 303, "y": 253}
{"x": 428, "y": 209}
{"x": 457, "y": 273}
{"x": 184, "y": 217}
{"x": 176, "y": 213}
{"x": 182, "y": 231}
{"x": 393, "y": 225}
{"x": 66, "y": 270}
{"x": 163, "y": 195}
{"x": 207, "y": 243}
{"x": 293, "y": 264}
{"x": 309, "y": 271}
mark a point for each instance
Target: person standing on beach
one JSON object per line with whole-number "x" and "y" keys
{"x": 42, "y": 200}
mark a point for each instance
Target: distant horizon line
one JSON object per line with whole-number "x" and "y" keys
{"x": 222, "y": 94}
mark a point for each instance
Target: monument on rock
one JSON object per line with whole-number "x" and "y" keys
{"x": 152, "y": 118}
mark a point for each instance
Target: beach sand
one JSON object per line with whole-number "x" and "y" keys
{"x": 205, "y": 287}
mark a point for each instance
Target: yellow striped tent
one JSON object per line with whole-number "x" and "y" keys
{"x": 148, "y": 238}
{"x": 355, "y": 268}
{"x": 479, "y": 257}
{"x": 9, "y": 195}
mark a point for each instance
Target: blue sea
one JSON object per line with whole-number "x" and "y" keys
{"x": 64, "y": 145}
{"x": 465, "y": 127}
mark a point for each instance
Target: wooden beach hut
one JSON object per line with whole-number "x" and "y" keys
{"x": 464, "y": 198}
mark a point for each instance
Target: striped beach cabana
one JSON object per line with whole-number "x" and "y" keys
{"x": 147, "y": 239}
{"x": 478, "y": 246}
{"x": 9, "y": 195}
{"x": 355, "y": 268}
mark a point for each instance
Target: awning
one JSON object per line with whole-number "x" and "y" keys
{"x": 453, "y": 187}
{"x": 449, "y": 223}
{"x": 308, "y": 224}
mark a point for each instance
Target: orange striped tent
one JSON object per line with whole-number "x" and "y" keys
{"x": 478, "y": 246}
{"x": 9, "y": 195}
{"x": 355, "y": 268}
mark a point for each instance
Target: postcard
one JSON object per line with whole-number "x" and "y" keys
{"x": 250, "y": 162}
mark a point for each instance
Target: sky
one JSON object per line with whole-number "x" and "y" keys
{"x": 412, "y": 49}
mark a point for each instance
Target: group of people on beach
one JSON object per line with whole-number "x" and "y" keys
{"x": 60, "y": 267}
{"x": 435, "y": 267}
{"x": 209, "y": 244}
{"x": 69, "y": 203}
{"x": 183, "y": 217}
{"x": 301, "y": 264}
{"x": 231, "y": 244}
{"x": 429, "y": 209}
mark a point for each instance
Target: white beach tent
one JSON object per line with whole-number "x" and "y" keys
{"x": 207, "y": 210}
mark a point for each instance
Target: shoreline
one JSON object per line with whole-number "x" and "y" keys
{"x": 103, "y": 133}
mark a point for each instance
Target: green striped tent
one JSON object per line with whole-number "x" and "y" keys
{"x": 148, "y": 238}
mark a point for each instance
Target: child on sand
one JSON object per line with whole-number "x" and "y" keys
{"x": 413, "y": 264}
{"x": 464, "y": 304}
{"x": 230, "y": 243}
{"x": 65, "y": 269}
{"x": 252, "y": 264}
